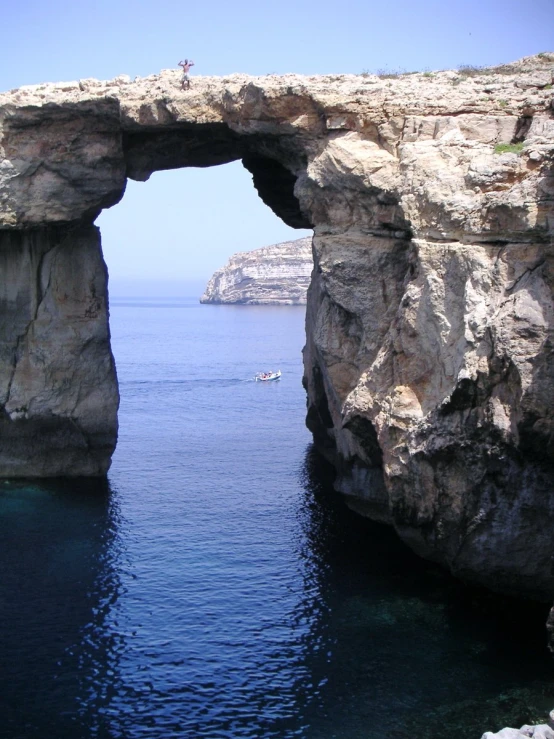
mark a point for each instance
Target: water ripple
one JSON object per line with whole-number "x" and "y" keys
{"x": 219, "y": 588}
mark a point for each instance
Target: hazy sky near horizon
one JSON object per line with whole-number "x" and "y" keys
{"x": 182, "y": 225}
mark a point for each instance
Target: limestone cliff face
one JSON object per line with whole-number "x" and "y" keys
{"x": 58, "y": 388}
{"x": 273, "y": 275}
{"x": 428, "y": 360}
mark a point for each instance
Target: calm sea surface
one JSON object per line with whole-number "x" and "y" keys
{"x": 216, "y": 587}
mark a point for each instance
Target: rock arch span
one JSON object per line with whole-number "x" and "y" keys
{"x": 428, "y": 358}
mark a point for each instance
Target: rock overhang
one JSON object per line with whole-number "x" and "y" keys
{"x": 67, "y": 149}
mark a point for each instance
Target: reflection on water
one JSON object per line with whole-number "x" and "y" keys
{"x": 402, "y": 649}
{"x": 60, "y": 562}
{"x": 297, "y": 618}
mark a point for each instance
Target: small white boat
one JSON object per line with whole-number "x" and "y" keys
{"x": 267, "y": 376}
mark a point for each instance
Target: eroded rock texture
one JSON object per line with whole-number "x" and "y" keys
{"x": 538, "y": 731}
{"x": 428, "y": 359}
{"x": 58, "y": 388}
{"x": 273, "y": 275}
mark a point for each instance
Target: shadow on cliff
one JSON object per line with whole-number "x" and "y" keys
{"x": 536, "y": 430}
{"x": 59, "y": 555}
{"x": 466, "y": 659}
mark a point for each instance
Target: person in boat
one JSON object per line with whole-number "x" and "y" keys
{"x": 185, "y": 80}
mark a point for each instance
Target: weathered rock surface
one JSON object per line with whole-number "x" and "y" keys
{"x": 538, "y": 731}
{"x": 428, "y": 360}
{"x": 58, "y": 388}
{"x": 273, "y": 275}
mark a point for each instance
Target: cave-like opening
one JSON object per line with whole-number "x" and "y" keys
{"x": 184, "y": 223}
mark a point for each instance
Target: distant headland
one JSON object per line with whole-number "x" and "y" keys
{"x": 273, "y": 275}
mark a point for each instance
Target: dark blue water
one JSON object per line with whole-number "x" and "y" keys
{"x": 216, "y": 587}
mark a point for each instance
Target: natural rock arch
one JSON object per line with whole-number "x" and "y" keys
{"x": 428, "y": 360}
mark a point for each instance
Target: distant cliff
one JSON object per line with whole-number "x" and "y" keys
{"x": 273, "y": 275}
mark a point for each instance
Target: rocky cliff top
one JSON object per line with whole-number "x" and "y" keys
{"x": 422, "y": 141}
{"x": 523, "y": 84}
{"x": 272, "y": 275}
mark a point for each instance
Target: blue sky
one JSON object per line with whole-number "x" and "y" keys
{"x": 181, "y": 225}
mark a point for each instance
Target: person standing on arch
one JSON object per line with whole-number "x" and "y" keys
{"x": 185, "y": 81}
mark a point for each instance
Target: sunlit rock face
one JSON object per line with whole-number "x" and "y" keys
{"x": 428, "y": 358}
{"x": 273, "y": 275}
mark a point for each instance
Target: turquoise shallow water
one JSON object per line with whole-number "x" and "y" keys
{"x": 216, "y": 587}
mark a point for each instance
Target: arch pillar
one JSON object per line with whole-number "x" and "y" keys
{"x": 58, "y": 385}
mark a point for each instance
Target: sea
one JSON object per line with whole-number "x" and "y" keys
{"x": 216, "y": 586}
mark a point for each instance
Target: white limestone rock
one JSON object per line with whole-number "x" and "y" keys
{"x": 273, "y": 275}
{"x": 539, "y": 731}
